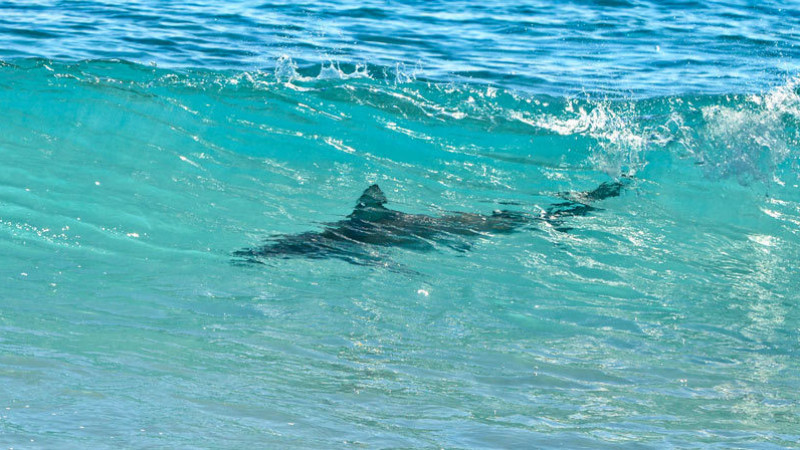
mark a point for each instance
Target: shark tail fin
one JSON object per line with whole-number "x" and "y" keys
{"x": 604, "y": 191}
{"x": 580, "y": 204}
{"x": 372, "y": 197}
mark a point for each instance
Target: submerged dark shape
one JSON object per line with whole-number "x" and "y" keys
{"x": 372, "y": 225}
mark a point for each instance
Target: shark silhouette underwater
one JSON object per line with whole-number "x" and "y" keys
{"x": 371, "y": 225}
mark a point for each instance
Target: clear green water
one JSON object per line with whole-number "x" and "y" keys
{"x": 141, "y": 144}
{"x": 669, "y": 317}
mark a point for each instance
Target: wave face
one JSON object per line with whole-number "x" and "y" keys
{"x": 667, "y": 317}
{"x": 143, "y": 143}
{"x": 621, "y": 46}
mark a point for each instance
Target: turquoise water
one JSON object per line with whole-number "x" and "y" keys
{"x": 667, "y": 317}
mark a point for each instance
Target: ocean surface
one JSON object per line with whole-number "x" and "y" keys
{"x": 143, "y": 143}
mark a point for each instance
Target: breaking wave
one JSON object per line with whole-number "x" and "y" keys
{"x": 748, "y": 138}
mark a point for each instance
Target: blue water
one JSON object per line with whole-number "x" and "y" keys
{"x": 622, "y": 46}
{"x": 142, "y": 144}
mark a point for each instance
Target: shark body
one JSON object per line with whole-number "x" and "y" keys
{"x": 372, "y": 225}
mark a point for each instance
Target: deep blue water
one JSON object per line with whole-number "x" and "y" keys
{"x": 643, "y": 47}
{"x": 142, "y": 144}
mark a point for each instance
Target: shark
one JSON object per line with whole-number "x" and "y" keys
{"x": 358, "y": 237}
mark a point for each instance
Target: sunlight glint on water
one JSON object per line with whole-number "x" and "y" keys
{"x": 668, "y": 316}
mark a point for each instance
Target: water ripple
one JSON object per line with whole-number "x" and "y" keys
{"x": 542, "y": 47}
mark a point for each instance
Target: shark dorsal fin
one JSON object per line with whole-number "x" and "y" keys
{"x": 371, "y": 198}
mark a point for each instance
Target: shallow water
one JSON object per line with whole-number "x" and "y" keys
{"x": 668, "y": 317}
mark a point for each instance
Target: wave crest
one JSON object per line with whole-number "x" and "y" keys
{"x": 749, "y": 138}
